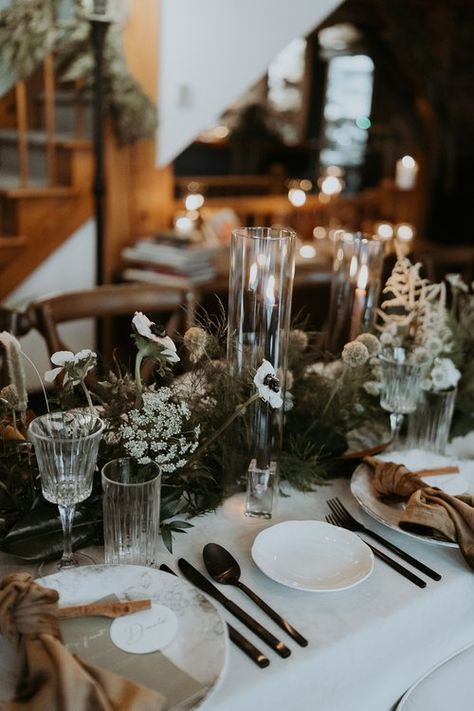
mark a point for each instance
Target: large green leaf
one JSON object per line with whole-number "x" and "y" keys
{"x": 38, "y": 535}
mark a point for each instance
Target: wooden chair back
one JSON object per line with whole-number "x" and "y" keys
{"x": 106, "y": 301}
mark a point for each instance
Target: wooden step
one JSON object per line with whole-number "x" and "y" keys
{"x": 11, "y": 181}
{"x": 10, "y": 247}
{"x": 39, "y": 138}
{"x": 38, "y": 191}
{"x": 37, "y": 141}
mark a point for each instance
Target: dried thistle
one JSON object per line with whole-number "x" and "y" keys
{"x": 195, "y": 341}
{"x": 9, "y": 396}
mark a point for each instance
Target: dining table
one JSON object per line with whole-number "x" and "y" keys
{"x": 366, "y": 645}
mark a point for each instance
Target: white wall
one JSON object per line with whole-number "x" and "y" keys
{"x": 211, "y": 51}
{"x": 70, "y": 267}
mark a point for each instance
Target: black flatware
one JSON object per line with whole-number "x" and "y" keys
{"x": 238, "y": 639}
{"x": 224, "y": 569}
{"x": 198, "y": 579}
{"x": 348, "y": 521}
{"x": 386, "y": 558}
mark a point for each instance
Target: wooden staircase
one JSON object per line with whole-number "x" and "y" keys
{"x": 46, "y": 169}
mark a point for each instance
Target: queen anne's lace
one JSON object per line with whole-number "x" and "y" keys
{"x": 156, "y": 432}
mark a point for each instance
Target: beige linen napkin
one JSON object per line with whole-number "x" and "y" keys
{"x": 427, "y": 507}
{"x": 51, "y": 679}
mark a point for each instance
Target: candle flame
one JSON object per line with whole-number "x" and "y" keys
{"x": 363, "y": 277}
{"x": 408, "y": 162}
{"x": 270, "y": 291}
{"x": 353, "y": 266}
{"x": 253, "y": 276}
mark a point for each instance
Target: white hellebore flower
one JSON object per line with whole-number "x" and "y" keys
{"x": 151, "y": 332}
{"x": 444, "y": 374}
{"x": 75, "y": 365}
{"x": 268, "y": 385}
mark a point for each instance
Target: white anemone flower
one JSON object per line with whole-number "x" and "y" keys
{"x": 151, "y": 332}
{"x": 74, "y": 365}
{"x": 268, "y": 385}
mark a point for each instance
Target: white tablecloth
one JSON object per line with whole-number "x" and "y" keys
{"x": 367, "y": 645}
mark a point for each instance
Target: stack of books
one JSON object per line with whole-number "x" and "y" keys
{"x": 170, "y": 260}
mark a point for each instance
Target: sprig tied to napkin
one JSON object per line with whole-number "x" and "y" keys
{"x": 50, "y": 677}
{"x": 428, "y": 508}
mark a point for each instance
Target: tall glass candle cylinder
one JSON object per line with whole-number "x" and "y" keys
{"x": 355, "y": 288}
{"x": 262, "y": 267}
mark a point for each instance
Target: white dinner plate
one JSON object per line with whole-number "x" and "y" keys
{"x": 388, "y": 512}
{"x": 186, "y": 670}
{"x": 312, "y": 556}
{"x": 447, "y": 686}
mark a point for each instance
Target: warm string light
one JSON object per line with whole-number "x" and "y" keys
{"x": 404, "y": 232}
{"x": 331, "y": 185}
{"x": 194, "y": 201}
{"x": 297, "y": 191}
{"x": 307, "y": 251}
{"x": 183, "y": 224}
{"x": 297, "y": 197}
{"x": 384, "y": 230}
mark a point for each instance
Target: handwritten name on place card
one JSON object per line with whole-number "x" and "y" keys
{"x": 146, "y": 631}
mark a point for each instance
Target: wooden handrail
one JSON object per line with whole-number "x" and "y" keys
{"x": 49, "y": 94}
{"x": 22, "y": 127}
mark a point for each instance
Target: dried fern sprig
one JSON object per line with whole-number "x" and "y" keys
{"x": 16, "y": 372}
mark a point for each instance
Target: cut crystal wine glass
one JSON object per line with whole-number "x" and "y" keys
{"x": 402, "y": 376}
{"x": 66, "y": 446}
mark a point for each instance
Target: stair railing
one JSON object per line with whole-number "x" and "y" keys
{"x": 49, "y": 112}
{"x": 22, "y": 123}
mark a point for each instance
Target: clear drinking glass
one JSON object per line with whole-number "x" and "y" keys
{"x": 429, "y": 425}
{"x": 131, "y": 505}
{"x": 262, "y": 265}
{"x": 401, "y": 379}
{"x": 66, "y": 446}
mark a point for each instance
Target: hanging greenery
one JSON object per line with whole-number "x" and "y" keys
{"x": 31, "y": 29}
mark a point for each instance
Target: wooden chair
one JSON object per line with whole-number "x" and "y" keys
{"x": 176, "y": 307}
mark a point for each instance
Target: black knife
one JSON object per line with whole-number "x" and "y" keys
{"x": 198, "y": 579}
{"x": 238, "y": 639}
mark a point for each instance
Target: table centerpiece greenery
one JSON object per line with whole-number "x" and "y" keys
{"x": 192, "y": 415}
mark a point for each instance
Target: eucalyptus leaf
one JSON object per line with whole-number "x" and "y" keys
{"x": 38, "y": 535}
{"x": 167, "y": 537}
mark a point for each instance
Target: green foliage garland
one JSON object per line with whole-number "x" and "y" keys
{"x": 31, "y": 29}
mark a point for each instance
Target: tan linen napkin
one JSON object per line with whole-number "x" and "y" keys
{"x": 51, "y": 679}
{"x": 427, "y": 507}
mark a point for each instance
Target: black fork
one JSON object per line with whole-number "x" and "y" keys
{"x": 330, "y": 518}
{"x": 346, "y": 520}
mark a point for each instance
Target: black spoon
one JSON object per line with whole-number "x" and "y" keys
{"x": 224, "y": 569}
